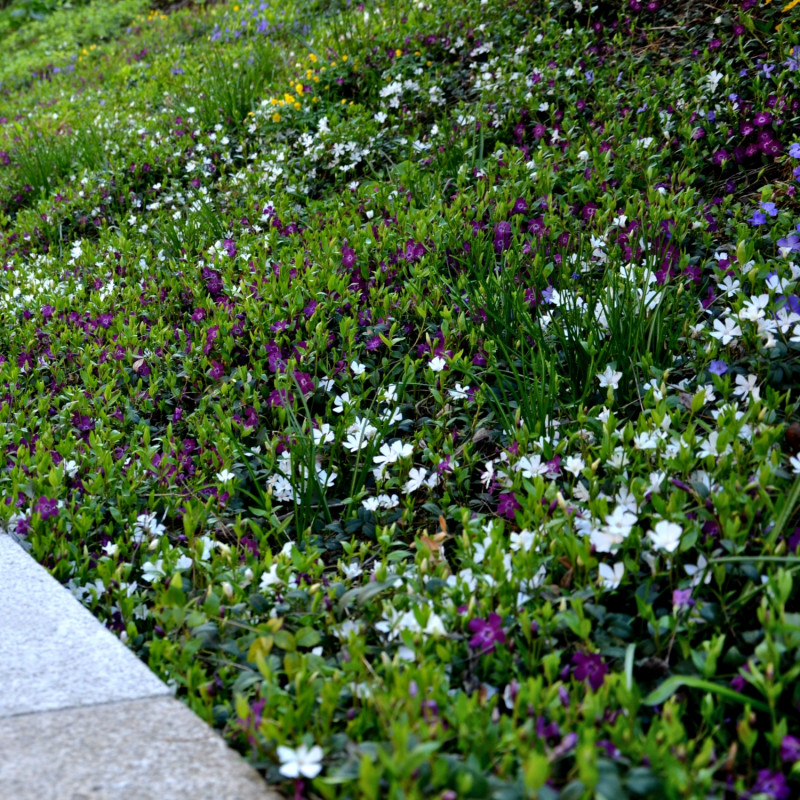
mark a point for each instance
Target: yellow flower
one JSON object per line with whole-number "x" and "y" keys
{"x": 398, "y": 53}
{"x": 344, "y": 58}
{"x": 312, "y": 58}
{"x": 297, "y": 106}
{"x": 299, "y": 89}
{"x": 288, "y": 98}
{"x": 276, "y": 117}
{"x": 789, "y": 6}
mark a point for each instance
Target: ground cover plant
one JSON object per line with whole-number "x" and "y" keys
{"x": 414, "y": 387}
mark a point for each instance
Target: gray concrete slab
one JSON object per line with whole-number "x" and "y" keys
{"x": 154, "y": 749}
{"x": 53, "y": 653}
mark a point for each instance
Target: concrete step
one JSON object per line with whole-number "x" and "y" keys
{"x": 81, "y": 718}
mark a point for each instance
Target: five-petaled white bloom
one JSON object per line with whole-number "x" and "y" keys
{"x": 303, "y": 761}
{"x": 609, "y": 377}
{"x": 726, "y": 332}
{"x": 225, "y": 476}
{"x": 666, "y": 536}
{"x": 610, "y": 577}
{"x": 147, "y": 525}
{"x": 390, "y": 453}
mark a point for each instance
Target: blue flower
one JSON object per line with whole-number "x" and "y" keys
{"x": 794, "y": 150}
{"x": 770, "y": 208}
{"x": 717, "y": 367}
{"x": 757, "y": 219}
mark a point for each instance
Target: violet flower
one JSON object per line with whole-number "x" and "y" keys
{"x": 591, "y": 668}
{"x": 487, "y": 632}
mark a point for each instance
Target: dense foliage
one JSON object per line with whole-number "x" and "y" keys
{"x": 414, "y": 387}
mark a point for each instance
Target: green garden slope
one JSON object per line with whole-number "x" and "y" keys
{"x": 415, "y": 389}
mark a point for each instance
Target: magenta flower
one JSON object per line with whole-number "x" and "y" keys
{"x": 591, "y": 668}
{"x": 46, "y": 507}
{"x": 487, "y": 633}
{"x": 502, "y": 237}
{"x": 771, "y": 784}
{"x": 790, "y": 749}
{"x": 507, "y": 505}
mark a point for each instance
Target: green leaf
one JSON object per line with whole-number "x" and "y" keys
{"x": 671, "y": 685}
{"x": 307, "y": 637}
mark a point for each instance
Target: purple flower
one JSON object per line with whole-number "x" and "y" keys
{"x": 717, "y": 367}
{"x": 790, "y": 748}
{"x": 217, "y": 371}
{"x": 348, "y": 257}
{"x": 770, "y": 209}
{"x": 772, "y": 784}
{"x": 502, "y": 236}
{"x": 521, "y": 205}
{"x": 591, "y": 668}
{"x": 790, "y": 243}
{"x": 762, "y": 118}
{"x": 487, "y": 632}
{"x": 758, "y": 218}
{"x": 305, "y": 382}
{"x": 794, "y": 150}
{"x": 507, "y": 505}
{"x": 682, "y": 598}
{"x": 82, "y": 422}
{"x": 280, "y": 397}
{"x": 46, "y": 507}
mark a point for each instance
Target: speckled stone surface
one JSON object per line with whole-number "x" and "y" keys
{"x": 53, "y": 652}
{"x": 153, "y": 749}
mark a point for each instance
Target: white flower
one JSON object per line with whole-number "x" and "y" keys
{"x": 620, "y": 522}
{"x": 416, "y": 478}
{"x": 698, "y": 571}
{"x": 531, "y": 466}
{"x": 710, "y": 447}
{"x": 727, "y": 331}
{"x": 388, "y": 501}
{"x": 323, "y": 434}
{"x": 341, "y": 402}
{"x": 437, "y": 364}
{"x": 269, "y": 579}
{"x": 610, "y": 577}
{"x": 574, "y": 465}
{"x": 351, "y": 570}
{"x": 184, "y": 562}
{"x": 522, "y": 541}
{"x": 609, "y": 377}
{"x": 302, "y": 761}
{"x": 666, "y": 536}
{"x": 371, "y": 504}
{"x": 479, "y": 549}
{"x": 110, "y": 549}
{"x": 794, "y": 463}
{"x": 147, "y": 525}
{"x": 152, "y": 572}
{"x": 225, "y": 476}
{"x": 390, "y": 453}
{"x": 460, "y": 392}
{"x": 358, "y": 368}
{"x": 746, "y": 387}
